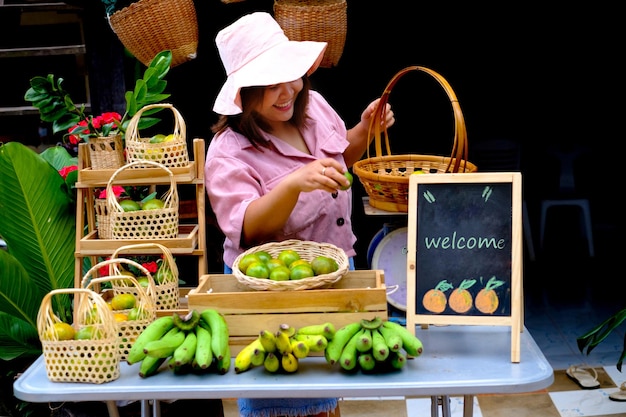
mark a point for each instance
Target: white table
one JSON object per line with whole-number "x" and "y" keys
{"x": 457, "y": 360}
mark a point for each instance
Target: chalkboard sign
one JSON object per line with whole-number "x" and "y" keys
{"x": 464, "y": 251}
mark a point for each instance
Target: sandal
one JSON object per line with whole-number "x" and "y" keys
{"x": 619, "y": 395}
{"x": 584, "y": 378}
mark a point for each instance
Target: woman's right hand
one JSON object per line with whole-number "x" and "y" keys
{"x": 323, "y": 174}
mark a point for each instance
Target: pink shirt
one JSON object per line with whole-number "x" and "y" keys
{"x": 236, "y": 174}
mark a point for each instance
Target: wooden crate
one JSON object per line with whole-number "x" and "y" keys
{"x": 358, "y": 295}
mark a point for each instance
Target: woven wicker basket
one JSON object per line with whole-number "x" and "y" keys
{"x": 171, "y": 154}
{"x": 106, "y": 152}
{"x": 128, "y": 330}
{"x": 386, "y": 177}
{"x": 308, "y": 251}
{"x": 144, "y": 224}
{"x": 103, "y": 220}
{"x": 95, "y": 360}
{"x": 166, "y": 292}
{"x": 315, "y": 20}
{"x": 147, "y": 27}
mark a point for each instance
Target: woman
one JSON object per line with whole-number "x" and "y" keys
{"x": 275, "y": 167}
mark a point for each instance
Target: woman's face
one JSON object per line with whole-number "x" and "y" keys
{"x": 278, "y": 101}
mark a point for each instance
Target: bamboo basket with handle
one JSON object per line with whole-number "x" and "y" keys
{"x": 385, "y": 177}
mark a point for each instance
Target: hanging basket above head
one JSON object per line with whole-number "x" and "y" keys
{"x": 315, "y": 20}
{"x": 148, "y": 27}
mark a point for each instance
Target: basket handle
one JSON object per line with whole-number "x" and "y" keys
{"x": 132, "y": 130}
{"x": 167, "y": 254}
{"x": 459, "y": 147}
{"x": 112, "y": 199}
{"x": 89, "y": 277}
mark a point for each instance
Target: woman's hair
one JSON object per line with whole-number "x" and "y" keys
{"x": 251, "y": 124}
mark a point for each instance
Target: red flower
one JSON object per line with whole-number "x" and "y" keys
{"x": 117, "y": 190}
{"x": 152, "y": 267}
{"x": 66, "y": 170}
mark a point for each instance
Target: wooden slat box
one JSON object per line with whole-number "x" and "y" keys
{"x": 358, "y": 295}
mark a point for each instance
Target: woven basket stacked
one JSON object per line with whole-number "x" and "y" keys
{"x": 308, "y": 251}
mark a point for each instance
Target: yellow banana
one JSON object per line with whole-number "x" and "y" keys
{"x": 271, "y": 362}
{"x": 285, "y": 328}
{"x": 299, "y": 349}
{"x": 165, "y": 346}
{"x": 336, "y": 344}
{"x": 348, "y": 358}
{"x": 289, "y": 362}
{"x": 185, "y": 353}
{"x": 153, "y": 331}
{"x": 243, "y": 360}
{"x": 392, "y": 338}
{"x": 315, "y": 342}
{"x": 325, "y": 329}
{"x": 283, "y": 344}
{"x": 204, "y": 353}
{"x": 268, "y": 340}
{"x": 411, "y": 344}
{"x": 380, "y": 350}
{"x": 364, "y": 343}
{"x": 219, "y": 333}
{"x": 149, "y": 366}
{"x": 258, "y": 356}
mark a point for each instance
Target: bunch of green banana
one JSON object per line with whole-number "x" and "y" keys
{"x": 372, "y": 346}
{"x": 193, "y": 342}
{"x": 281, "y": 350}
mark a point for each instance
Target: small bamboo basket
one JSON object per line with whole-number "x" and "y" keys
{"x": 106, "y": 152}
{"x": 144, "y": 224}
{"x": 102, "y": 218}
{"x": 128, "y": 330}
{"x": 315, "y": 20}
{"x": 172, "y": 153}
{"x": 308, "y": 251}
{"x": 167, "y": 292}
{"x": 386, "y": 177}
{"x": 95, "y": 360}
{"x": 147, "y": 27}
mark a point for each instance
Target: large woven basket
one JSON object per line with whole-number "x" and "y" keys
{"x": 315, "y": 20}
{"x": 166, "y": 291}
{"x": 147, "y": 27}
{"x": 94, "y": 360}
{"x": 171, "y": 154}
{"x": 128, "y": 330}
{"x": 144, "y": 224}
{"x": 386, "y": 177}
{"x": 307, "y": 250}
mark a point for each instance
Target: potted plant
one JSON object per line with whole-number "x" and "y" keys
{"x": 103, "y": 132}
{"x": 591, "y": 339}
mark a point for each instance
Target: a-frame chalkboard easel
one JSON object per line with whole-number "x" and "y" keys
{"x": 464, "y": 261}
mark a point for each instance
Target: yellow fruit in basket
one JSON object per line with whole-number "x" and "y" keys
{"x": 129, "y": 205}
{"x": 324, "y": 265}
{"x": 169, "y": 138}
{"x": 246, "y": 260}
{"x": 120, "y": 317}
{"x": 280, "y": 273}
{"x": 301, "y": 272}
{"x": 64, "y": 331}
{"x": 258, "y": 269}
{"x": 153, "y": 204}
{"x": 123, "y": 301}
{"x": 288, "y": 256}
{"x": 158, "y": 138}
{"x": 264, "y": 255}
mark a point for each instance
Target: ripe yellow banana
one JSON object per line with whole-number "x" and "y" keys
{"x": 271, "y": 362}
{"x": 283, "y": 344}
{"x": 299, "y": 349}
{"x": 204, "y": 353}
{"x": 325, "y": 329}
{"x": 348, "y": 358}
{"x": 268, "y": 340}
{"x": 289, "y": 362}
{"x": 243, "y": 360}
{"x": 184, "y": 354}
{"x": 219, "y": 333}
{"x": 315, "y": 342}
{"x": 153, "y": 331}
{"x": 411, "y": 344}
{"x": 285, "y": 328}
{"x": 336, "y": 344}
{"x": 165, "y": 346}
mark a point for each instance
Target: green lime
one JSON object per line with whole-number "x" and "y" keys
{"x": 349, "y": 177}
{"x": 129, "y": 205}
{"x": 280, "y": 273}
{"x": 258, "y": 269}
{"x": 302, "y": 271}
{"x": 246, "y": 260}
{"x": 288, "y": 256}
{"x": 153, "y": 204}
{"x": 273, "y": 263}
{"x": 324, "y": 265}
{"x": 264, "y": 256}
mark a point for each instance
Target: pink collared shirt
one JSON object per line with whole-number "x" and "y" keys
{"x": 236, "y": 173}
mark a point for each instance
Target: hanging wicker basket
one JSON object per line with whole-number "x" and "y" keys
{"x": 144, "y": 310}
{"x": 147, "y": 27}
{"x": 144, "y": 224}
{"x": 315, "y": 20}
{"x": 166, "y": 291}
{"x": 171, "y": 153}
{"x": 386, "y": 177}
{"x": 94, "y": 360}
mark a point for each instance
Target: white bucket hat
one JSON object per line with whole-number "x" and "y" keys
{"x": 256, "y": 52}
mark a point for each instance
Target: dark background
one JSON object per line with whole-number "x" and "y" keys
{"x": 541, "y": 76}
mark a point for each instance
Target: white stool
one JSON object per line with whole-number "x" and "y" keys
{"x": 581, "y": 203}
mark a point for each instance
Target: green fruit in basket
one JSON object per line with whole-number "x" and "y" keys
{"x": 273, "y": 263}
{"x": 288, "y": 256}
{"x": 324, "y": 265}
{"x": 280, "y": 273}
{"x": 258, "y": 269}
{"x": 158, "y": 138}
{"x": 163, "y": 274}
{"x": 143, "y": 281}
{"x": 301, "y": 272}
{"x": 153, "y": 204}
{"x": 129, "y": 205}
{"x": 246, "y": 260}
{"x": 264, "y": 256}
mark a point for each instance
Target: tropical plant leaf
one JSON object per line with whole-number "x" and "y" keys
{"x": 17, "y": 338}
{"x": 18, "y": 294}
